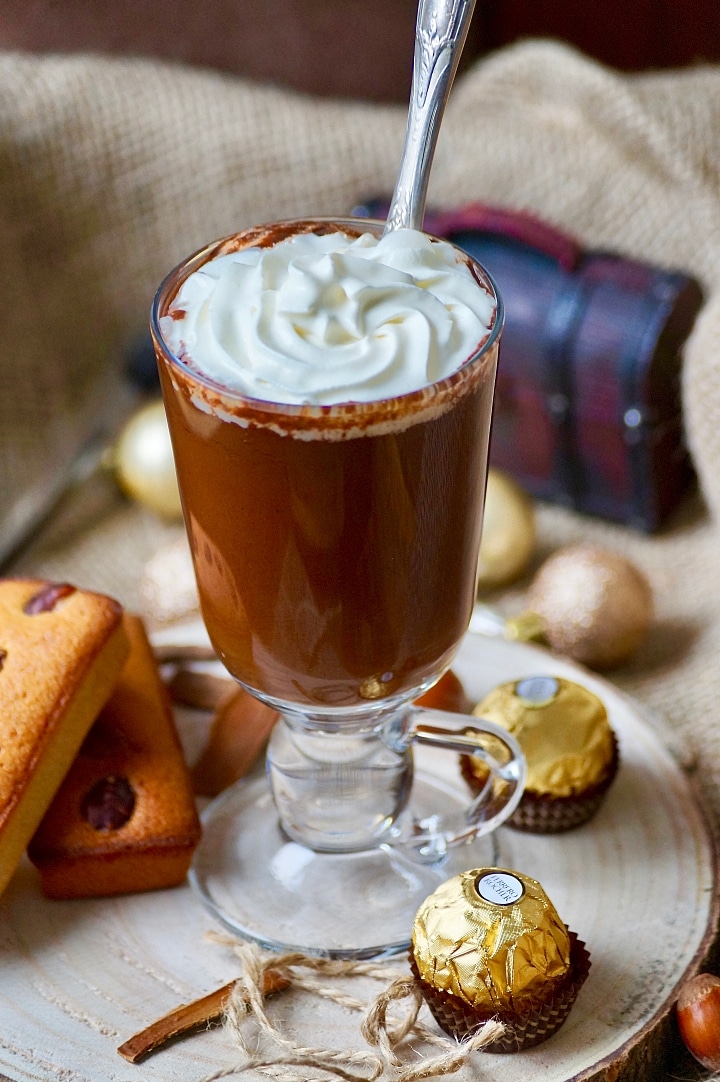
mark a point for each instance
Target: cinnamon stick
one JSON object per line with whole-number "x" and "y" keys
{"x": 172, "y": 652}
{"x": 191, "y": 1016}
{"x": 201, "y": 690}
{"x": 238, "y": 734}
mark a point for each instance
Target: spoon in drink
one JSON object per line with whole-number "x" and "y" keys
{"x": 440, "y": 33}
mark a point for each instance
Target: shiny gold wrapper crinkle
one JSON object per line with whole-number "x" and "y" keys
{"x": 567, "y": 741}
{"x": 512, "y": 959}
{"x": 488, "y": 953}
{"x": 534, "y": 1020}
{"x": 570, "y": 749}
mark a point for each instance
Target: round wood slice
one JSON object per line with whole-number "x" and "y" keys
{"x": 637, "y": 884}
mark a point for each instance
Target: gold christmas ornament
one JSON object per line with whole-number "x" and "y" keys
{"x": 508, "y": 537}
{"x": 592, "y": 605}
{"x": 144, "y": 464}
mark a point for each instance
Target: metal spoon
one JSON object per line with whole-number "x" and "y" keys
{"x": 440, "y": 33}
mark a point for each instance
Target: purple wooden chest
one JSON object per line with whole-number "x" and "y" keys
{"x": 587, "y": 410}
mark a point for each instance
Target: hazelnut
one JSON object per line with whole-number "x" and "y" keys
{"x": 698, "y": 1015}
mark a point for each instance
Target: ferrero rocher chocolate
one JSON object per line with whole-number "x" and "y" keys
{"x": 562, "y": 728}
{"x": 489, "y": 944}
{"x": 491, "y": 937}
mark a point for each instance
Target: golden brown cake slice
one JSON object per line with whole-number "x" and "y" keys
{"x": 61, "y": 650}
{"x": 124, "y": 819}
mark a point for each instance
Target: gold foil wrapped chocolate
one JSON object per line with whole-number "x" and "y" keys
{"x": 490, "y": 937}
{"x": 562, "y": 728}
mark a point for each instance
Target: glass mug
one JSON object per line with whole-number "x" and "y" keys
{"x": 335, "y": 550}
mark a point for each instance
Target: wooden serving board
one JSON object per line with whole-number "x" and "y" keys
{"x": 638, "y": 884}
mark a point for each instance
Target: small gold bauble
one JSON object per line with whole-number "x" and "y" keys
{"x": 594, "y": 604}
{"x": 508, "y": 536}
{"x": 144, "y": 464}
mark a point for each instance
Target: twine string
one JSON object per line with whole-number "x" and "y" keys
{"x": 271, "y": 1052}
{"x": 375, "y": 1028}
{"x": 376, "y": 1032}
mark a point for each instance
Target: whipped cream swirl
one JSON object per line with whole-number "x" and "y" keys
{"x": 324, "y": 319}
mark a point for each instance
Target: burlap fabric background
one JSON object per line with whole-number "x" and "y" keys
{"x": 111, "y": 172}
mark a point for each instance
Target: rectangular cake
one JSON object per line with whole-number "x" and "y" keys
{"x": 124, "y": 818}
{"x": 61, "y": 652}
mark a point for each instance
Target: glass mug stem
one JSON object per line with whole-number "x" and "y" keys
{"x": 347, "y": 791}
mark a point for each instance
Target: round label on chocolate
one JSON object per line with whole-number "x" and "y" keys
{"x": 500, "y": 888}
{"x": 537, "y": 690}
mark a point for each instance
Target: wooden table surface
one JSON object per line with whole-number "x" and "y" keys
{"x": 638, "y": 884}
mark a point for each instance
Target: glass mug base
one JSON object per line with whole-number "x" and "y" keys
{"x": 265, "y": 887}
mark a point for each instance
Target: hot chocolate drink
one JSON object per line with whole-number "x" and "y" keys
{"x": 332, "y": 478}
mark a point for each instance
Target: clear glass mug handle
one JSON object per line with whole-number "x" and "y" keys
{"x": 427, "y": 841}
{"x": 344, "y": 791}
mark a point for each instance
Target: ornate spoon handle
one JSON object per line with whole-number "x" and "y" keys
{"x": 440, "y": 33}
